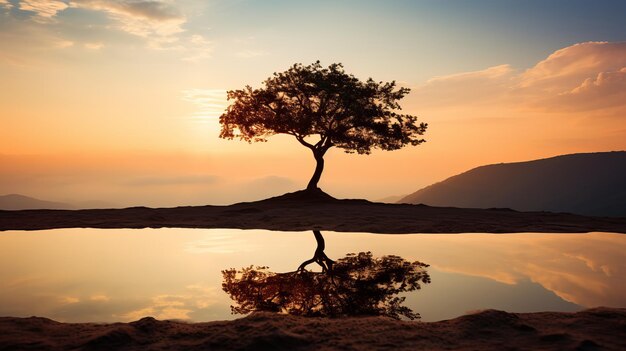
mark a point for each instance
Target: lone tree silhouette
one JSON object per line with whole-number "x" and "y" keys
{"x": 338, "y": 108}
{"x": 357, "y": 285}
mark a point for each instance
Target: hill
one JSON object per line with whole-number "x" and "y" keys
{"x": 21, "y": 202}
{"x": 589, "y": 184}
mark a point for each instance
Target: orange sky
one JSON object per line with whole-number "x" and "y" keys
{"x": 102, "y": 101}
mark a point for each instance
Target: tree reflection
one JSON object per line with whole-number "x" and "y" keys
{"x": 355, "y": 285}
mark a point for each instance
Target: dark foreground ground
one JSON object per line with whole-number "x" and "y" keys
{"x": 305, "y": 211}
{"x": 594, "y": 329}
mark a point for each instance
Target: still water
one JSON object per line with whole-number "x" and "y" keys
{"x": 107, "y": 275}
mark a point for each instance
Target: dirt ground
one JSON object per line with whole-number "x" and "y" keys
{"x": 593, "y": 329}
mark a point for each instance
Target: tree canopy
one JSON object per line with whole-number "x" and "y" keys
{"x": 325, "y": 104}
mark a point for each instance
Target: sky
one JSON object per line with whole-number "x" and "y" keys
{"x": 118, "y": 101}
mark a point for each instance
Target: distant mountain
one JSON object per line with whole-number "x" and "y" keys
{"x": 391, "y": 199}
{"x": 21, "y": 202}
{"x": 588, "y": 184}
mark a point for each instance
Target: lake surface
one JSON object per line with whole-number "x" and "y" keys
{"x": 108, "y": 275}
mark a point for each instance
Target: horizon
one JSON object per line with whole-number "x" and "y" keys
{"x": 118, "y": 101}
{"x": 86, "y": 204}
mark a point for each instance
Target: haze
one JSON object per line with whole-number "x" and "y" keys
{"x": 118, "y": 101}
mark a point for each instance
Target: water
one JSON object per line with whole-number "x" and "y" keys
{"x": 109, "y": 275}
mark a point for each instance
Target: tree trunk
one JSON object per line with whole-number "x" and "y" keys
{"x": 319, "y": 167}
{"x": 319, "y": 256}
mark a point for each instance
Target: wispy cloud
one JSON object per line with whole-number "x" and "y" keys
{"x": 467, "y": 88}
{"x": 44, "y": 10}
{"x": 157, "y": 20}
{"x": 5, "y": 4}
{"x": 197, "y": 48}
{"x": 25, "y": 44}
{"x": 103, "y": 298}
{"x": 62, "y": 43}
{"x": 251, "y": 53}
{"x": 489, "y": 73}
{"x": 210, "y": 103}
{"x": 93, "y": 46}
{"x": 153, "y": 10}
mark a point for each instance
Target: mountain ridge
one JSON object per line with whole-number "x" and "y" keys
{"x": 23, "y": 202}
{"x": 582, "y": 183}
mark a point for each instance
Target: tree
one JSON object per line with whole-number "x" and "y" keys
{"x": 357, "y": 285}
{"x": 326, "y": 104}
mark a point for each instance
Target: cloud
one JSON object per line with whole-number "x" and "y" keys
{"x": 573, "y": 64}
{"x": 157, "y": 20}
{"x": 246, "y": 54}
{"x": 487, "y": 74}
{"x": 210, "y": 103}
{"x": 159, "y": 23}
{"x": 44, "y": 10}
{"x": 62, "y": 43}
{"x": 152, "y": 10}
{"x": 197, "y": 48}
{"x": 5, "y": 4}
{"x": 147, "y": 9}
{"x": 478, "y": 87}
{"x": 604, "y": 91}
{"x": 145, "y": 18}
{"x": 26, "y": 43}
{"x": 99, "y": 298}
{"x": 579, "y": 78}
{"x": 93, "y": 46}
{"x": 69, "y": 299}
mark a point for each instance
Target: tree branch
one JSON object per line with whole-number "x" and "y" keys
{"x": 300, "y": 139}
{"x": 319, "y": 144}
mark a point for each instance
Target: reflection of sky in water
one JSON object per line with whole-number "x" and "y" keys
{"x": 121, "y": 275}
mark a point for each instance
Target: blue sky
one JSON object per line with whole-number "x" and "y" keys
{"x": 436, "y": 37}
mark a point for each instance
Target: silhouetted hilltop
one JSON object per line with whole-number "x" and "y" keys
{"x": 589, "y": 184}
{"x": 309, "y": 196}
{"x": 21, "y": 202}
{"x": 314, "y": 209}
